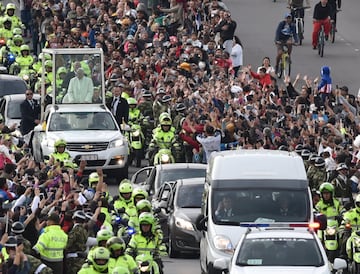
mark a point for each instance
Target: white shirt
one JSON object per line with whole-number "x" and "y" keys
{"x": 210, "y": 144}
{"x": 236, "y": 55}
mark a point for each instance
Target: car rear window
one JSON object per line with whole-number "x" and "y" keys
{"x": 183, "y": 173}
{"x": 12, "y": 86}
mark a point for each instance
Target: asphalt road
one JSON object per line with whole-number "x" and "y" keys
{"x": 257, "y": 21}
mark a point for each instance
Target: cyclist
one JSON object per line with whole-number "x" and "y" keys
{"x": 335, "y": 5}
{"x": 295, "y": 4}
{"x": 322, "y": 14}
{"x": 285, "y": 33}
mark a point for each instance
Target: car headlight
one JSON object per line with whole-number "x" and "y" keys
{"x": 144, "y": 267}
{"x": 165, "y": 158}
{"x": 116, "y": 143}
{"x": 223, "y": 243}
{"x": 183, "y": 224}
{"x": 330, "y": 230}
{"x": 136, "y": 133}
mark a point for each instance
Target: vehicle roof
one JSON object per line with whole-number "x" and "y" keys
{"x": 256, "y": 164}
{"x": 279, "y": 233}
{"x": 77, "y": 108}
{"x": 191, "y": 181}
{"x": 10, "y": 77}
{"x": 181, "y": 166}
{"x": 18, "y": 97}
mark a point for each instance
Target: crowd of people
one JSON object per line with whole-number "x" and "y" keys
{"x": 180, "y": 57}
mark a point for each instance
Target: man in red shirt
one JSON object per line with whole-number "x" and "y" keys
{"x": 263, "y": 77}
{"x": 322, "y": 14}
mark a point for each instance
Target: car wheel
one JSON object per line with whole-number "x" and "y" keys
{"x": 173, "y": 253}
{"x": 212, "y": 270}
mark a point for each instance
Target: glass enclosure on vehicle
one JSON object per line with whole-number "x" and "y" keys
{"x": 279, "y": 252}
{"x": 73, "y": 76}
{"x": 70, "y": 121}
{"x": 189, "y": 196}
{"x": 259, "y": 205}
{"x": 181, "y": 173}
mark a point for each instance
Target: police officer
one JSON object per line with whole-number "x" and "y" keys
{"x": 76, "y": 245}
{"x": 24, "y": 60}
{"x": 51, "y": 244}
{"x": 328, "y": 204}
{"x": 352, "y": 218}
{"x": 135, "y": 116}
{"x": 125, "y": 200}
{"x": 163, "y": 136}
{"x": 319, "y": 175}
{"x": 342, "y": 185}
{"x": 59, "y": 155}
{"x": 116, "y": 246}
{"x": 10, "y": 12}
{"x": 6, "y": 31}
{"x": 146, "y": 241}
{"x": 98, "y": 262}
{"x": 305, "y": 154}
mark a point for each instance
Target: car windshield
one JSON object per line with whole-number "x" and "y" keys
{"x": 233, "y": 206}
{"x": 13, "y": 110}
{"x": 279, "y": 252}
{"x": 189, "y": 196}
{"x": 70, "y": 121}
{"x": 181, "y": 173}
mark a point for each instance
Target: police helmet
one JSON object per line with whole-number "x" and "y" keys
{"x": 140, "y": 192}
{"x": 342, "y": 166}
{"x": 299, "y": 148}
{"x": 17, "y": 31}
{"x": 125, "y": 187}
{"x": 93, "y": 178}
{"x": 283, "y": 148}
{"x": 100, "y": 258}
{"x": 165, "y": 121}
{"x": 79, "y": 215}
{"x": 319, "y": 162}
{"x": 60, "y": 142}
{"x": 18, "y": 38}
{"x": 103, "y": 235}
{"x": 144, "y": 205}
{"x": 48, "y": 63}
{"x": 180, "y": 107}
{"x": 146, "y": 218}
{"x": 305, "y": 153}
{"x": 326, "y": 187}
{"x": 61, "y": 70}
{"x": 17, "y": 228}
{"x": 24, "y": 47}
{"x": 115, "y": 243}
{"x": 312, "y": 158}
{"x": 11, "y": 242}
{"x": 160, "y": 91}
{"x": 166, "y": 98}
{"x": 131, "y": 101}
{"x": 146, "y": 93}
{"x": 10, "y": 6}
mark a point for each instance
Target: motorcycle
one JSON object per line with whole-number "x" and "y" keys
{"x": 355, "y": 252}
{"x": 331, "y": 239}
{"x": 136, "y": 141}
{"x": 122, "y": 229}
{"x": 163, "y": 156}
{"x": 9, "y": 59}
{"x": 146, "y": 264}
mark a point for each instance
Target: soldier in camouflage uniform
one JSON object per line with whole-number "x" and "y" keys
{"x": 311, "y": 168}
{"x": 76, "y": 244}
{"x": 180, "y": 116}
{"x": 342, "y": 185}
{"x": 37, "y": 266}
{"x": 319, "y": 175}
{"x": 305, "y": 154}
{"x": 146, "y": 106}
{"x": 158, "y": 105}
{"x": 17, "y": 229}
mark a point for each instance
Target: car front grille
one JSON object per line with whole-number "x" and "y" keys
{"x": 88, "y": 147}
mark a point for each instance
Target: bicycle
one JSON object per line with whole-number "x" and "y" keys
{"x": 333, "y": 29}
{"x": 321, "y": 41}
{"x": 284, "y": 67}
{"x": 299, "y": 22}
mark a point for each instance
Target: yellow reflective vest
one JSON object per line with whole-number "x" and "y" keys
{"x": 51, "y": 244}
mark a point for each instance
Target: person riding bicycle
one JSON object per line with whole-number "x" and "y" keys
{"x": 336, "y": 6}
{"x": 298, "y": 4}
{"x": 285, "y": 33}
{"x": 322, "y": 14}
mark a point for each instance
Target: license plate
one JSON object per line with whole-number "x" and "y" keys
{"x": 89, "y": 157}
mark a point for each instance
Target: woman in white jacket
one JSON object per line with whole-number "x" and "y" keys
{"x": 236, "y": 55}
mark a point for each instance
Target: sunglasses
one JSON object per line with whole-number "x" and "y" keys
{"x": 28, "y": 94}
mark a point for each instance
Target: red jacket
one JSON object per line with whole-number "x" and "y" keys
{"x": 264, "y": 81}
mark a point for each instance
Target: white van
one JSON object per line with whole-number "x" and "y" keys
{"x": 265, "y": 188}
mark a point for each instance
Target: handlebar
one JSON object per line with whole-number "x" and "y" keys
{"x": 298, "y": 8}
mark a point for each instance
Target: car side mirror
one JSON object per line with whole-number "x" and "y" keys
{"x": 339, "y": 264}
{"x": 200, "y": 222}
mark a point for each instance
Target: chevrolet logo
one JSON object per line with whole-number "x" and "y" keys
{"x": 87, "y": 147}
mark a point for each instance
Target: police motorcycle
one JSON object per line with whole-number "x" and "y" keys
{"x": 136, "y": 142}
{"x": 164, "y": 156}
{"x": 146, "y": 264}
{"x": 331, "y": 239}
{"x": 121, "y": 226}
